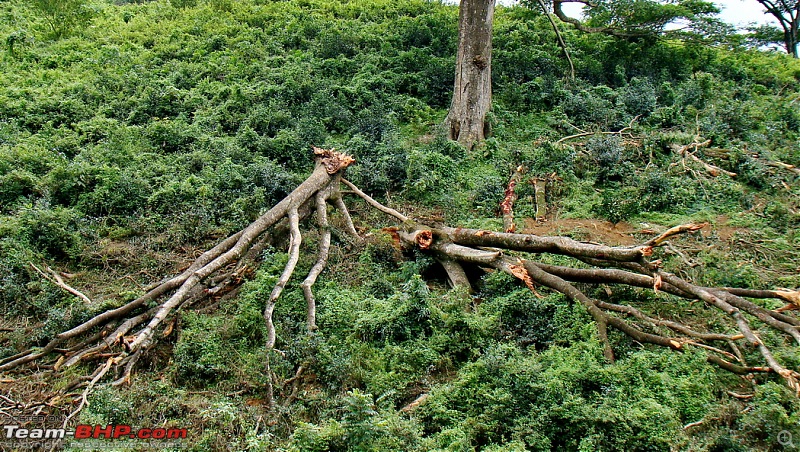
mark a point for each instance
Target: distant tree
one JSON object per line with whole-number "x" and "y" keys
{"x": 640, "y": 18}
{"x": 62, "y": 16}
{"x": 787, "y": 12}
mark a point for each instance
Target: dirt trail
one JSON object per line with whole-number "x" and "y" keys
{"x": 600, "y": 231}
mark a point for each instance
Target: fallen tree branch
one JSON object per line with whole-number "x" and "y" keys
{"x": 111, "y": 337}
{"x": 621, "y": 132}
{"x": 56, "y": 279}
{"x": 683, "y": 151}
{"x": 680, "y": 229}
{"x": 786, "y": 166}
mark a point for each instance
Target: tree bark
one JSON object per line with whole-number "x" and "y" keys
{"x": 472, "y": 91}
{"x": 790, "y": 40}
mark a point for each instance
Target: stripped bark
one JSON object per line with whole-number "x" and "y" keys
{"x": 507, "y": 205}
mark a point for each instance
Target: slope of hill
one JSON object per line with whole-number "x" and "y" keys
{"x": 135, "y": 135}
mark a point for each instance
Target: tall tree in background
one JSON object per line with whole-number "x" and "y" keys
{"x": 787, "y": 12}
{"x": 472, "y": 92}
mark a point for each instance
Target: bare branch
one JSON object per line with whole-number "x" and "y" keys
{"x": 373, "y": 203}
{"x": 322, "y": 259}
{"x": 56, "y": 279}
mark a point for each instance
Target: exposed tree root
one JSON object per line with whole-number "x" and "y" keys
{"x": 117, "y": 338}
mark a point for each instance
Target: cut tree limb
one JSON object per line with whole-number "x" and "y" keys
{"x": 56, "y": 279}
{"x": 111, "y": 339}
{"x": 683, "y": 151}
{"x": 539, "y": 187}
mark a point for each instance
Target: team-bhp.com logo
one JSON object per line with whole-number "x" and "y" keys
{"x": 15, "y": 432}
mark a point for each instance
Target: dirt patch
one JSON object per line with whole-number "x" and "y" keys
{"x": 589, "y": 230}
{"x": 725, "y": 232}
{"x": 620, "y": 234}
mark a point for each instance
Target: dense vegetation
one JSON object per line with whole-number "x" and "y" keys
{"x": 134, "y": 134}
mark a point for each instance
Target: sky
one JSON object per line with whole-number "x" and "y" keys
{"x": 742, "y": 12}
{"x": 735, "y": 12}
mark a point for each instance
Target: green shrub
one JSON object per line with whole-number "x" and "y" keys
{"x": 771, "y": 414}
{"x": 592, "y": 107}
{"x": 63, "y": 16}
{"x": 548, "y": 159}
{"x": 428, "y": 173}
{"x": 201, "y": 356}
{"x": 14, "y": 185}
{"x": 52, "y": 231}
{"x": 183, "y": 3}
{"x": 610, "y": 155}
{"x": 619, "y": 205}
{"x": 638, "y": 97}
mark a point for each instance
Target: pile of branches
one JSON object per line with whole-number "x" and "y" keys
{"x": 117, "y": 338}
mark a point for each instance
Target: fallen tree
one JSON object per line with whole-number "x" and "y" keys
{"x": 117, "y": 338}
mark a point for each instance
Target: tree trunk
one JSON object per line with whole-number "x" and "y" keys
{"x": 472, "y": 92}
{"x": 790, "y": 39}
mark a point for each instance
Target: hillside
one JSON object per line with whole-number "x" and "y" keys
{"x": 136, "y": 135}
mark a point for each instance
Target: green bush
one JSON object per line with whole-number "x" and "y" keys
{"x": 52, "y": 231}
{"x": 428, "y": 173}
{"x": 63, "y": 16}
{"x": 201, "y": 356}
{"x": 610, "y": 155}
{"x": 16, "y": 184}
{"x": 619, "y": 205}
{"x": 638, "y": 97}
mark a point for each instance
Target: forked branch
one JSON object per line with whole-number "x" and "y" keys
{"x": 111, "y": 338}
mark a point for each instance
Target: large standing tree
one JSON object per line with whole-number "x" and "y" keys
{"x": 472, "y": 93}
{"x": 787, "y": 12}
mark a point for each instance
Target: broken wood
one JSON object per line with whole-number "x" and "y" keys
{"x": 624, "y": 132}
{"x": 415, "y": 403}
{"x": 785, "y": 166}
{"x": 56, "y": 279}
{"x": 683, "y": 151}
{"x": 539, "y": 186}
{"x": 119, "y": 337}
{"x": 507, "y": 205}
